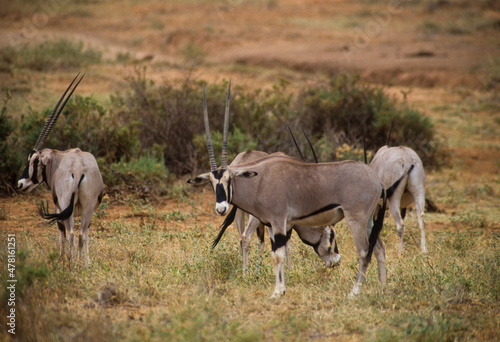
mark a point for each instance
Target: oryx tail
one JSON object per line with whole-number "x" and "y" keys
{"x": 63, "y": 215}
{"x": 377, "y": 227}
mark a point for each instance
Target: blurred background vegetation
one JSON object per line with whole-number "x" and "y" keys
{"x": 152, "y": 133}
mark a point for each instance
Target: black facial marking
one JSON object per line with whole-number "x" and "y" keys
{"x": 280, "y": 240}
{"x": 34, "y": 176}
{"x": 44, "y": 176}
{"x": 26, "y": 172}
{"x": 220, "y": 193}
{"x": 229, "y": 190}
{"x": 319, "y": 211}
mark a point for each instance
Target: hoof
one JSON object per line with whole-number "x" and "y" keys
{"x": 277, "y": 295}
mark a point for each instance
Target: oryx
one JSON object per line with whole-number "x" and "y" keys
{"x": 390, "y": 163}
{"x": 73, "y": 178}
{"x": 282, "y": 192}
{"x": 322, "y": 239}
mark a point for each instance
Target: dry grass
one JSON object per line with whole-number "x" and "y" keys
{"x": 153, "y": 276}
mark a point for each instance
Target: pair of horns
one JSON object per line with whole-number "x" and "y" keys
{"x": 49, "y": 124}
{"x": 213, "y": 164}
{"x": 297, "y": 145}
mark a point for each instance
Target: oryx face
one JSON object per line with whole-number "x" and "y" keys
{"x": 221, "y": 183}
{"x": 33, "y": 174}
{"x": 327, "y": 249}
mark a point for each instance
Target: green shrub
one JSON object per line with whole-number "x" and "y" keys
{"x": 11, "y": 159}
{"x": 348, "y": 111}
{"x": 146, "y": 173}
{"x": 50, "y": 55}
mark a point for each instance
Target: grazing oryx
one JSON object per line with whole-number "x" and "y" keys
{"x": 73, "y": 178}
{"x": 282, "y": 192}
{"x": 389, "y": 164}
{"x": 320, "y": 238}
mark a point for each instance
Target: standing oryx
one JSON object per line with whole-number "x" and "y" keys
{"x": 282, "y": 192}
{"x": 73, "y": 178}
{"x": 390, "y": 163}
{"x": 322, "y": 239}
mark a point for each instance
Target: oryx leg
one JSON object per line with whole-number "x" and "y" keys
{"x": 261, "y": 231}
{"x": 70, "y": 223}
{"x": 379, "y": 252}
{"x": 360, "y": 230}
{"x": 279, "y": 240}
{"x": 246, "y": 238}
{"x": 419, "y": 200}
{"x": 395, "y": 205}
{"x": 84, "y": 237}
{"x": 418, "y": 197}
{"x": 62, "y": 238}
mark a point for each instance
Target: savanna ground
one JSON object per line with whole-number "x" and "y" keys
{"x": 153, "y": 275}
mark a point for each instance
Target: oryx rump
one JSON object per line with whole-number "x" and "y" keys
{"x": 73, "y": 178}
{"x": 390, "y": 163}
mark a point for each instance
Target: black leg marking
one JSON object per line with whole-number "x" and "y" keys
{"x": 403, "y": 213}
{"x": 280, "y": 240}
{"x": 220, "y": 193}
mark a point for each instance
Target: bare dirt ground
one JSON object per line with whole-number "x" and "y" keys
{"x": 429, "y": 49}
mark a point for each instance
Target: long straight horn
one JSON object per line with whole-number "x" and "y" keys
{"x": 223, "y": 164}
{"x": 311, "y": 146}
{"x": 49, "y": 124}
{"x": 389, "y": 135}
{"x": 213, "y": 164}
{"x": 295, "y": 142}
{"x": 364, "y": 145}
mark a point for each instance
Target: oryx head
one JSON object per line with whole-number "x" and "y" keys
{"x": 327, "y": 248}
{"x": 220, "y": 178}
{"x": 34, "y": 173}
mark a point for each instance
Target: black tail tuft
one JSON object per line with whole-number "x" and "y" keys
{"x": 378, "y": 224}
{"x": 62, "y": 216}
{"x": 227, "y": 222}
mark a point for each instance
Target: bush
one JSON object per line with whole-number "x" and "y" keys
{"x": 166, "y": 122}
{"x": 11, "y": 159}
{"x": 346, "y": 111}
{"x": 50, "y": 55}
{"x": 170, "y": 119}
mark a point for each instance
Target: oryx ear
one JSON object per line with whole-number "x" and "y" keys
{"x": 45, "y": 157}
{"x": 200, "y": 180}
{"x": 245, "y": 174}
